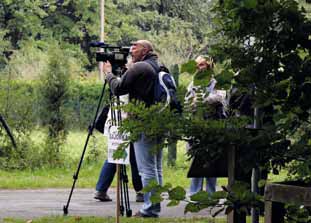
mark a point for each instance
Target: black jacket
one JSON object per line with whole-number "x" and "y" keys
{"x": 138, "y": 81}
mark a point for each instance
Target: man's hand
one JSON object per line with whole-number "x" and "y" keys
{"x": 107, "y": 68}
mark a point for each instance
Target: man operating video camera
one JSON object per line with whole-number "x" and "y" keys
{"x": 138, "y": 81}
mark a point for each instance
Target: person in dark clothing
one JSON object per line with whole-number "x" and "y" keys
{"x": 107, "y": 174}
{"x": 108, "y": 170}
{"x": 138, "y": 81}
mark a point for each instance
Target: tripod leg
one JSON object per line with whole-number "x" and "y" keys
{"x": 118, "y": 193}
{"x": 90, "y": 132}
{"x": 8, "y": 131}
{"x": 122, "y": 191}
{"x": 75, "y": 176}
{"x": 126, "y": 193}
{"x": 123, "y": 200}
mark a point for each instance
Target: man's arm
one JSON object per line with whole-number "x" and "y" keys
{"x": 117, "y": 85}
{"x": 123, "y": 85}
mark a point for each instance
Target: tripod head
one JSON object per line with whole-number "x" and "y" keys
{"x": 7, "y": 129}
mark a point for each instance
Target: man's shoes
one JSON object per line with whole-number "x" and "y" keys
{"x": 139, "y": 197}
{"x": 142, "y": 215}
{"x": 102, "y": 196}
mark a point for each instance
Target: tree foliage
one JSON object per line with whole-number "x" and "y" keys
{"x": 54, "y": 90}
{"x": 269, "y": 44}
{"x": 76, "y": 23}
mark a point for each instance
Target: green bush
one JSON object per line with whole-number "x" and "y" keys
{"x": 82, "y": 102}
{"x": 17, "y": 109}
{"x": 22, "y": 109}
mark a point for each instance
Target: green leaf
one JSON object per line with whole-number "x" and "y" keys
{"x": 202, "y": 78}
{"x": 250, "y": 4}
{"x": 156, "y": 198}
{"x": 224, "y": 79}
{"x": 192, "y": 207}
{"x": 238, "y": 188}
{"x": 120, "y": 153}
{"x": 177, "y": 193}
{"x": 173, "y": 203}
{"x": 219, "y": 195}
{"x": 189, "y": 67}
{"x": 167, "y": 186}
{"x": 201, "y": 196}
{"x": 153, "y": 184}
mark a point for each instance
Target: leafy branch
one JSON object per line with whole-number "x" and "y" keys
{"x": 237, "y": 198}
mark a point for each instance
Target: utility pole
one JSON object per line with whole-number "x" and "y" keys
{"x": 102, "y": 35}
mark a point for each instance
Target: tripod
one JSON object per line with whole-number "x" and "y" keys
{"x": 90, "y": 132}
{"x": 124, "y": 193}
{"x": 116, "y": 120}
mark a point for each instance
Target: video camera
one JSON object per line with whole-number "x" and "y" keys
{"x": 116, "y": 55}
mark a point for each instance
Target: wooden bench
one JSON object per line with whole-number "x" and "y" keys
{"x": 277, "y": 194}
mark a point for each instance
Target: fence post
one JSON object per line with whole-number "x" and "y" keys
{"x": 233, "y": 216}
{"x": 231, "y": 177}
{"x": 172, "y": 146}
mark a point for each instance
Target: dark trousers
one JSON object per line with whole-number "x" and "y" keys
{"x": 109, "y": 169}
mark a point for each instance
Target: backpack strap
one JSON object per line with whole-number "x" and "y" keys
{"x": 156, "y": 69}
{"x": 161, "y": 80}
{"x": 154, "y": 65}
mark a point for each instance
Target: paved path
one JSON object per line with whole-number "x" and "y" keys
{"x": 29, "y": 204}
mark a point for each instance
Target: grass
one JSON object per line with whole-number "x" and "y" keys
{"x": 75, "y": 219}
{"x": 90, "y": 169}
{"x": 49, "y": 178}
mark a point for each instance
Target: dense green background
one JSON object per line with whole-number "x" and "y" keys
{"x": 48, "y": 72}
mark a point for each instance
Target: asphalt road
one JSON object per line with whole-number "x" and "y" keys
{"x": 30, "y": 204}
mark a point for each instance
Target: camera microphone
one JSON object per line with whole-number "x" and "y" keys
{"x": 98, "y": 44}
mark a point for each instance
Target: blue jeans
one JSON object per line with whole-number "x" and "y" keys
{"x": 197, "y": 185}
{"x": 109, "y": 169}
{"x": 149, "y": 163}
